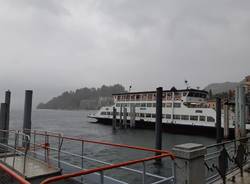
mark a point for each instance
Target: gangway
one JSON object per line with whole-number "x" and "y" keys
{"x": 47, "y": 157}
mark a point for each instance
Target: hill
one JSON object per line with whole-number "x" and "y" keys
{"x": 84, "y": 98}
{"x": 221, "y": 87}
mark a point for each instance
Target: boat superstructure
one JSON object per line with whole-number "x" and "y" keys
{"x": 186, "y": 107}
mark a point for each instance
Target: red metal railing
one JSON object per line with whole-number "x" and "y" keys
{"x": 14, "y": 175}
{"x": 101, "y": 169}
{"x": 158, "y": 154}
{"x": 161, "y": 154}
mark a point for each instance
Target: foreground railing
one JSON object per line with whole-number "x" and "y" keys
{"x": 225, "y": 160}
{"x": 13, "y": 176}
{"x": 77, "y": 161}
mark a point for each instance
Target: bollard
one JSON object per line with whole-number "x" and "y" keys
{"x": 114, "y": 119}
{"x": 189, "y": 163}
{"x": 3, "y": 126}
{"x": 125, "y": 117}
{"x": 158, "y": 123}
{"x": 27, "y": 113}
{"x": 218, "y": 120}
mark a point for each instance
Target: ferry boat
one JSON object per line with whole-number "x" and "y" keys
{"x": 183, "y": 111}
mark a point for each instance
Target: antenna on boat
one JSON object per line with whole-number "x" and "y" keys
{"x": 129, "y": 88}
{"x": 187, "y": 84}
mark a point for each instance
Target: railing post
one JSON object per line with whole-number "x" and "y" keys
{"x": 189, "y": 163}
{"x": 102, "y": 177}
{"x": 82, "y": 154}
{"x": 144, "y": 173}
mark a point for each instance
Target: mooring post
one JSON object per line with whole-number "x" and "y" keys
{"x": 7, "y": 101}
{"x": 242, "y": 106}
{"x": 125, "y": 117}
{"x": 27, "y": 113}
{"x": 114, "y": 118}
{"x": 120, "y": 120}
{"x": 237, "y": 114}
{"x": 158, "y": 123}
{"x": 3, "y": 126}
{"x": 226, "y": 120}
{"x": 218, "y": 120}
{"x": 132, "y": 115}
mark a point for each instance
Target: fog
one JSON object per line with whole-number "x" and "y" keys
{"x": 55, "y": 45}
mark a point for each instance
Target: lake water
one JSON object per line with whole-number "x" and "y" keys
{"x": 76, "y": 123}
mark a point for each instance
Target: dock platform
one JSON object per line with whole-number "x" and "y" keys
{"x": 34, "y": 168}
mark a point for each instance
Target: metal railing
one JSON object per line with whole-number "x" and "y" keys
{"x": 226, "y": 159}
{"x": 14, "y": 177}
{"x": 54, "y": 142}
{"x": 13, "y": 144}
{"x": 56, "y": 149}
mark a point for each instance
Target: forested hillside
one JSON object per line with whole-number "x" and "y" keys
{"x": 84, "y": 98}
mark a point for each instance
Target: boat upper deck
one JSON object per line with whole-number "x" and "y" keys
{"x": 184, "y": 95}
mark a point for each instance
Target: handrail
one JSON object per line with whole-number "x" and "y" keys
{"x": 13, "y": 174}
{"x": 99, "y": 169}
{"x": 158, "y": 154}
{"x": 111, "y": 144}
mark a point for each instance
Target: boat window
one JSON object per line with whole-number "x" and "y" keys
{"x": 168, "y": 104}
{"x": 202, "y": 118}
{"x": 108, "y": 113}
{"x": 148, "y": 115}
{"x": 177, "y": 116}
{"x": 154, "y": 104}
{"x": 210, "y": 119}
{"x": 118, "y": 105}
{"x": 153, "y": 116}
{"x": 168, "y": 116}
{"x": 163, "y": 104}
{"x": 198, "y": 111}
{"x": 137, "y": 105}
{"x": 184, "y": 94}
{"x": 150, "y": 97}
{"x": 142, "y": 115}
{"x": 177, "y": 105}
{"x": 184, "y": 117}
{"x": 163, "y": 116}
{"x": 149, "y": 104}
{"x": 194, "y": 118}
{"x": 137, "y": 97}
{"x": 103, "y": 113}
{"x": 143, "y": 105}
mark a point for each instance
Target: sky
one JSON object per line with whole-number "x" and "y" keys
{"x": 54, "y": 45}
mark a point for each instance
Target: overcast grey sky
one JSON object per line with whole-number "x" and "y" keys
{"x": 55, "y": 45}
